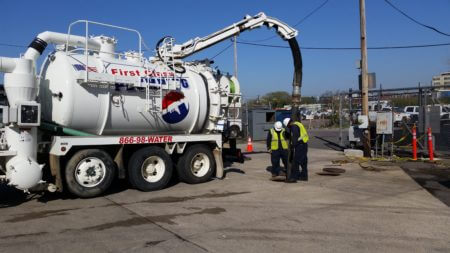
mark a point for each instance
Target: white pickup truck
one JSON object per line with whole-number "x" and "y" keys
{"x": 399, "y": 115}
{"x": 411, "y": 110}
{"x": 414, "y": 110}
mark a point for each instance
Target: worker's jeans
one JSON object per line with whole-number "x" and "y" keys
{"x": 275, "y": 158}
{"x": 300, "y": 159}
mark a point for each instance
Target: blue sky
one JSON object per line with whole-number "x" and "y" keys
{"x": 261, "y": 69}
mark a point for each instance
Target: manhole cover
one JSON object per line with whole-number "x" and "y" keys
{"x": 328, "y": 174}
{"x": 333, "y": 170}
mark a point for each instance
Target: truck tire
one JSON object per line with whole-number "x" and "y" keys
{"x": 89, "y": 173}
{"x": 196, "y": 165}
{"x": 150, "y": 169}
{"x": 233, "y": 132}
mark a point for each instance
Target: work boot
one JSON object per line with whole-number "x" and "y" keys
{"x": 277, "y": 178}
{"x": 283, "y": 173}
{"x": 291, "y": 180}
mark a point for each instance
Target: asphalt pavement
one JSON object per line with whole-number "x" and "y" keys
{"x": 358, "y": 211}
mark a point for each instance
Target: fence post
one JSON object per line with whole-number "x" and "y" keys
{"x": 414, "y": 143}
{"x": 340, "y": 121}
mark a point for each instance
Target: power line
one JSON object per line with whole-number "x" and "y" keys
{"x": 20, "y": 46}
{"x": 414, "y": 20}
{"x": 296, "y": 24}
{"x": 223, "y": 50}
{"x": 311, "y": 13}
{"x": 261, "y": 45}
{"x": 349, "y": 48}
{"x": 307, "y": 48}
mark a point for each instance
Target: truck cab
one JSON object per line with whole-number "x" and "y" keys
{"x": 411, "y": 110}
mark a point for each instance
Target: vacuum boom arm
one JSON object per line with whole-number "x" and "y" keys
{"x": 248, "y": 23}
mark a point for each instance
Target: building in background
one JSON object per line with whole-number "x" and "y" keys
{"x": 440, "y": 81}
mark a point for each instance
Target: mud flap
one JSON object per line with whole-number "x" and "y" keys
{"x": 55, "y": 168}
{"x": 219, "y": 163}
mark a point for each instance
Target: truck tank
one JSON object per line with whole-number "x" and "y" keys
{"x": 231, "y": 104}
{"x": 105, "y": 93}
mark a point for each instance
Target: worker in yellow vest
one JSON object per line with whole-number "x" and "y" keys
{"x": 300, "y": 145}
{"x": 278, "y": 147}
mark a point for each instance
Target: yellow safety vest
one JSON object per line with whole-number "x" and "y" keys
{"x": 303, "y": 134}
{"x": 274, "y": 143}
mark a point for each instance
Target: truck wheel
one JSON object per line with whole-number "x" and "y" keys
{"x": 196, "y": 165}
{"x": 150, "y": 169}
{"x": 89, "y": 173}
{"x": 233, "y": 133}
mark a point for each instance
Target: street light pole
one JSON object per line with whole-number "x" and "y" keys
{"x": 364, "y": 76}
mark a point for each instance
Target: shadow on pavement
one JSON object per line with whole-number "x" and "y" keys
{"x": 233, "y": 170}
{"x": 10, "y": 196}
{"x": 255, "y": 152}
{"x": 330, "y": 144}
{"x": 435, "y": 179}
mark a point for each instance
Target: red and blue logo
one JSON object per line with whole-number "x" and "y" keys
{"x": 81, "y": 67}
{"x": 174, "y": 107}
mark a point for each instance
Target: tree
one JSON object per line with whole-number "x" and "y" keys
{"x": 404, "y": 101}
{"x": 277, "y": 99}
{"x": 254, "y": 102}
{"x": 308, "y": 100}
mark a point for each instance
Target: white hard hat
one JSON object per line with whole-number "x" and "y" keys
{"x": 286, "y": 121}
{"x": 278, "y": 126}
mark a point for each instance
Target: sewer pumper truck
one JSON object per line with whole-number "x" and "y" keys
{"x": 93, "y": 114}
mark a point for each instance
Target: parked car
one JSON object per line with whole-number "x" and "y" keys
{"x": 308, "y": 115}
{"x": 411, "y": 110}
{"x": 445, "y": 111}
{"x": 320, "y": 114}
{"x": 400, "y": 114}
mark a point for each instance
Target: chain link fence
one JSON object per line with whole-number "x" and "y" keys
{"x": 420, "y": 107}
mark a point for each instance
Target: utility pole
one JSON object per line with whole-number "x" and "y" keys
{"x": 235, "y": 57}
{"x": 364, "y": 76}
{"x": 341, "y": 141}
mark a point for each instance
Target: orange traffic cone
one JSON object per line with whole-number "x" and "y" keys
{"x": 249, "y": 145}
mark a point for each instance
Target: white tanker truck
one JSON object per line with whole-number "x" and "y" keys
{"x": 93, "y": 114}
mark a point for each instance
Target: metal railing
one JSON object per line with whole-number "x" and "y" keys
{"x": 87, "y": 22}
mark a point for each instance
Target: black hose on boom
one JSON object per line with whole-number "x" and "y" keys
{"x": 296, "y": 95}
{"x": 298, "y": 75}
{"x": 158, "y": 44}
{"x": 177, "y": 67}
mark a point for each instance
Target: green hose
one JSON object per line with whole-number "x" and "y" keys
{"x": 232, "y": 87}
{"x": 59, "y": 129}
